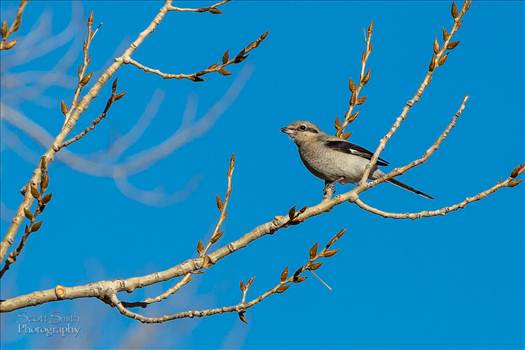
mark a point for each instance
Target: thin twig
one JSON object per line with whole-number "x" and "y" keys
{"x": 426, "y": 155}
{"x": 322, "y": 281}
{"x": 213, "y": 8}
{"x": 121, "y": 171}
{"x": 83, "y": 78}
{"x": 201, "y": 249}
{"x": 509, "y": 182}
{"x": 107, "y": 290}
{"x": 42, "y": 200}
{"x": 49, "y": 155}
{"x": 192, "y": 265}
{"x": 6, "y": 33}
{"x": 240, "y": 308}
{"x": 113, "y": 98}
{"x": 72, "y": 119}
{"x": 222, "y": 206}
{"x": 355, "y": 100}
{"x": 197, "y": 76}
{"x": 438, "y": 59}
{"x": 185, "y": 280}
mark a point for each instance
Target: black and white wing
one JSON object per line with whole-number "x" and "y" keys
{"x": 350, "y": 148}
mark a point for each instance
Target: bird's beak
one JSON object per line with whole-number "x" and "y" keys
{"x": 286, "y": 130}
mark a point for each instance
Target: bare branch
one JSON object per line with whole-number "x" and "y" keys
{"x": 40, "y": 42}
{"x": 222, "y": 206}
{"x": 113, "y": 98}
{"x": 135, "y": 163}
{"x": 509, "y": 182}
{"x": 240, "y": 308}
{"x": 73, "y": 115}
{"x": 212, "y": 9}
{"x": 216, "y": 67}
{"x": 72, "y": 119}
{"x": 29, "y": 86}
{"x": 192, "y": 265}
{"x": 426, "y": 155}
{"x": 107, "y": 291}
{"x": 438, "y": 59}
{"x": 355, "y": 100}
{"x": 83, "y": 79}
{"x": 42, "y": 199}
{"x": 185, "y": 280}
{"x": 201, "y": 249}
{"x": 4, "y": 44}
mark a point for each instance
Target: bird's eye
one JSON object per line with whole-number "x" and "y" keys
{"x": 302, "y": 127}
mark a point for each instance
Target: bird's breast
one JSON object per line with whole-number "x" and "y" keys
{"x": 332, "y": 165}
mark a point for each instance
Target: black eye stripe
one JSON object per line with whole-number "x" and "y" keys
{"x": 308, "y": 128}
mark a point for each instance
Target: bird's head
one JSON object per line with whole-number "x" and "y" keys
{"x": 301, "y": 131}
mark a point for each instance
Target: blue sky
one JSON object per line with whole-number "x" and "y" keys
{"x": 446, "y": 282}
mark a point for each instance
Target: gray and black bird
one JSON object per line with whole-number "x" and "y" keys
{"x": 334, "y": 159}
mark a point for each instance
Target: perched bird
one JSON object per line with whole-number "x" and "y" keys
{"x": 334, "y": 159}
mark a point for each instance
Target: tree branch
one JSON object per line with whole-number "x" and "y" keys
{"x": 426, "y": 155}
{"x": 33, "y": 226}
{"x": 240, "y": 308}
{"x": 212, "y": 9}
{"x": 185, "y": 280}
{"x": 355, "y": 100}
{"x": 108, "y": 290}
{"x": 113, "y": 98}
{"x": 509, "y": 182}
{"x": 4, "y": 44}
{"x": 196, "y": 77}
{"x": 192, "y": 265}
{"x": 72, "y": 117}
{"x": 438, "y": 59}
{"x": 201, "y": 249}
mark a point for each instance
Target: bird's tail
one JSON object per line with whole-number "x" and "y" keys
{"x": 409, "y": 188}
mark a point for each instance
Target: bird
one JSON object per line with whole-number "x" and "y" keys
{"x": 336, "y": 160}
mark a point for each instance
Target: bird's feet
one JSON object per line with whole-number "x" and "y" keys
{"x": 329, "y": 188}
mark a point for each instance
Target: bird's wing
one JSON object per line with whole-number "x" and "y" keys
{"x": 350, "y": 148}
